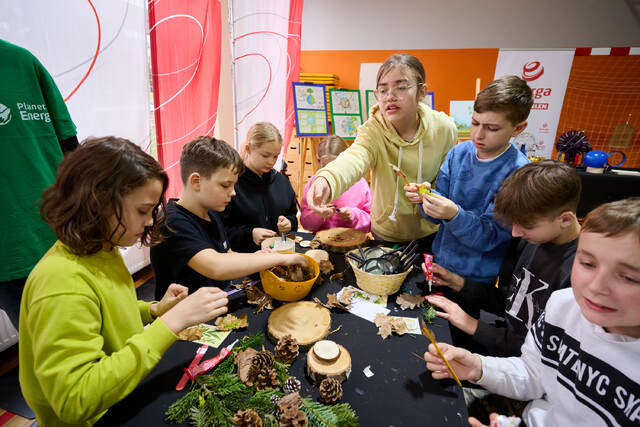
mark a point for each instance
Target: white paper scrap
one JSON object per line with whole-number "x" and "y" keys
{"x": 367, "y": 371}
{"x": 365, "y": 309}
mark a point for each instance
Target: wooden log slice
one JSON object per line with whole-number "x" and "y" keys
{"x": 338, "y": 368}
{"x": 341, "y": 239}
{"x": 306, "y": 321}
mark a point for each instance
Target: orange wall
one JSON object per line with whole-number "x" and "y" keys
{"x": 451, "y": 73}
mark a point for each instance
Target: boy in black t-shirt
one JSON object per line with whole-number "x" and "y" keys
{"x": 539, "y": 200}
{"x": 194, "y": 253}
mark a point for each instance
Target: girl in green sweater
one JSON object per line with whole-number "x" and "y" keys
{"x": 83, "y": 341}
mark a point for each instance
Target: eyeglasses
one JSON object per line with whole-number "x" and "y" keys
{"x": 395, "y": 92}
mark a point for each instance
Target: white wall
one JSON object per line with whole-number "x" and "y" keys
{"x": 459, "y": 24}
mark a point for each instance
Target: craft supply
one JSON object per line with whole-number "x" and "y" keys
{"x": 427, "y": 333}
{"x": 305, "y": 321}
{"x": 341, "y": 239}
{"x": 427, "y": 268}
{"x": 196, "y": 359}
{"x": 338, "y": 368}
{"x": 399, "y": 173}
{"x": 209, "y": 364}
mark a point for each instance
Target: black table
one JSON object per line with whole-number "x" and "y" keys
{"x": 599, "y": 188}
{"x": 401, "y": 392}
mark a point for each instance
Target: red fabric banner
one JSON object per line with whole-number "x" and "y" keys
{"x": 185, "y": 64}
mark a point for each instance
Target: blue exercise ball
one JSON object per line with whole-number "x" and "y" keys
{"x": 595, "y": 159}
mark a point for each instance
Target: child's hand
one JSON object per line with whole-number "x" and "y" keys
{"x": 201, "y": 306}
{"x": 175, "y": 293}
{"x": 474, "y": 422}
{"x": 345, "y": 214}
{"x": 467, "y": 365}
{"x": 444, "y": 277}
{"x": 293, "y": 259}
{"x": 440, "y": 207}
{"x": 412, "y": 191}
{"x": 454, "y": 314}
{"x": 284, "y": 225}
{"x": 317, "y": 198}
{"x": 259, "y": 234}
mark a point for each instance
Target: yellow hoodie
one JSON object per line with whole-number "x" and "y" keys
{"x": 393, "y": 216}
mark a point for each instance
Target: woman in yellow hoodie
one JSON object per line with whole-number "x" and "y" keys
{"x": 403, "y": 131}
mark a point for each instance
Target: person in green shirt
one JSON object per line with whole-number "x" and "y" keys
{"x": 35, "y": 131}
{"x": 83, "y": 345}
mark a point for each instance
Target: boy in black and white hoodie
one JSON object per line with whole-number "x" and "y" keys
{"x": 579, "y": 362}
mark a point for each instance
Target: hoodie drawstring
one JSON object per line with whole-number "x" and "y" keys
{"x": 392, "y": 217}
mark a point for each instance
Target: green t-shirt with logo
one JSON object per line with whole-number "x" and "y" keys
{"x": 33, "y": 119}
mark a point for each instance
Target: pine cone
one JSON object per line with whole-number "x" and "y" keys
{"x": 330, "y": 391}
{"x": 262, "y": 361}
{"x": 290, "y": 402}
{"x": 247, "y": 418}
{"x": 267, "y": 379}
{"x": 291, "y": 385}
{"x": 293, "y": 418}
{"x": 287, "y": 349}
{"x": 274, "y": 399}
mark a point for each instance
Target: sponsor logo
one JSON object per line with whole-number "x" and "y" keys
{"x": 532, "y": 70}
{"x": 5, "y": 114}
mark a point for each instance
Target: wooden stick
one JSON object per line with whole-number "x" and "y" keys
{"x": 426, "y": 332}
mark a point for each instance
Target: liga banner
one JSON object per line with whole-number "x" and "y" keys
{"x": 547, "y": 72}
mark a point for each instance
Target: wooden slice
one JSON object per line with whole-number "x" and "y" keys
{"x": 326, "y": 350}
{"x": 341, "y": 239}
{"x": 338, "y": 368}
{"x": 306, "y": 321}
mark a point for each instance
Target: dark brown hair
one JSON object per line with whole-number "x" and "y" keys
{"x": 538, "y": 190}
{"x": 406, "y": 61}
{"x": 331, "y": 145}
{"x": 615, "y": 218}
{"x": 91, "y": 183}
{"x": 508, "y": 94}
{"x": 206, "y": 155}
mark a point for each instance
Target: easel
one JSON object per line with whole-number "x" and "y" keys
{"x": 306, "y": 141}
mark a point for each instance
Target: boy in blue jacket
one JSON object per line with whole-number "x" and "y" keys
{"x": 470, "y": 241}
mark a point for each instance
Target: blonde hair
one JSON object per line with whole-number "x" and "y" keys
{"x": 332, "y": 145}
{"x": 259, "y": 134}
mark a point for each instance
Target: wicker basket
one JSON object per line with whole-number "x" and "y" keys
{"x": 378, "y": 284}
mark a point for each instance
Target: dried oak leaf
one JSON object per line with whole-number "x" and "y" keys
{"x": 408, "y": 301}
{"x": 346, "y": 297}
{"x": 255, "y": 296}
{"x": 387, "y": 325}
{"x": 336, "y": 276}
{"x": 230, "y": 322}
{"x": 325, "y": 266}
{"x": 191, "y": 334}
{"x": 383, "y": 323}
{"x": 315, "y": 244}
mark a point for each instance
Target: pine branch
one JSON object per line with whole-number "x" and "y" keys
{"x": 255, "y": 341}
{"x": 345, "y": 414}
{"x": 282, "y": 370}
{"x": 318, "y": 414}
{"x": 178, "y": 412}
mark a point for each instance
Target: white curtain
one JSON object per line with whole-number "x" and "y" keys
{"x": 96, "y": 52}
{"x": 261, "y": 63}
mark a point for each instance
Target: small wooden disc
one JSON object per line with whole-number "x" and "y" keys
{"x": 306, "y": 321}
{"x": 319, "y": 369}
{"x": 341, "y": 239}
{"x": 326, "y": 350}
